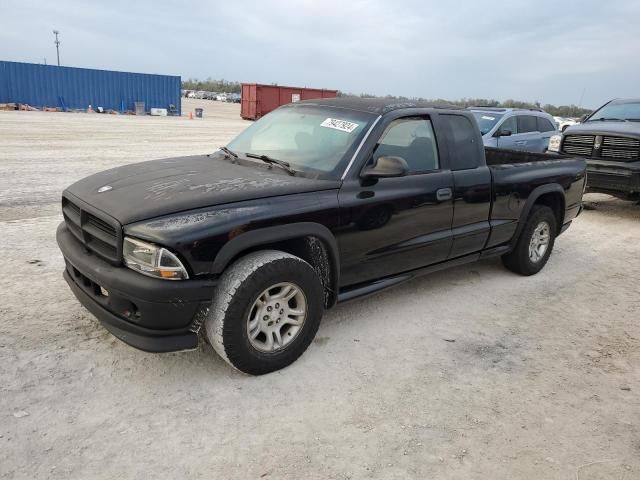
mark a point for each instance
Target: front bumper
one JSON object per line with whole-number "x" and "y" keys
{"x": 621, "y": 179}
{"x": 147, "y": 313}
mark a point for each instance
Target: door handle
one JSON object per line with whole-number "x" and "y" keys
{"x": 444, "y": 194}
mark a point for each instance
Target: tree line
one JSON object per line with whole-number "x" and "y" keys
{"x": 560, "y": 111}
{"x": 212, "y": 85}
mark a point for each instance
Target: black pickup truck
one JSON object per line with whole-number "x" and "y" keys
{"x": 610, "y": 139}
{"x": 317, "y": 203}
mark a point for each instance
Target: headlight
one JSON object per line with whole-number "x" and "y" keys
{"x": 554, "y": 143}
{"x": 152, "y": 260}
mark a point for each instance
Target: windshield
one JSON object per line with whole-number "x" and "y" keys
{"x": 618, "y": 110}
{"x": 487, "y": 120}
{"x": 311, "y": 138}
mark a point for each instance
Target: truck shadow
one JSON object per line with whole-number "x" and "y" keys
{"x": 600, "y": 204}
{"x": 207, "y": 360}
{"x": 425, "y": 285}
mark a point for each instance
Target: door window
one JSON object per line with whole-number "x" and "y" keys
{"x": 511, "y": 125}
{"x": 412, "y": 139}
{"x": 527, "y": 124}
{"x": 545, "y": 125}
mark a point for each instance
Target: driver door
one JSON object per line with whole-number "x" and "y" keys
{"x": 397, "y": 224}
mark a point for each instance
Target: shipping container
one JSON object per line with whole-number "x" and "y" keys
{"x": 77, "y": 88}
{"x": 258, "y": 100}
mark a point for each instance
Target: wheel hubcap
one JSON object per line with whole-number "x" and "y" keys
{"x": 539, "y": 242}
{"x": 276, "y": 317}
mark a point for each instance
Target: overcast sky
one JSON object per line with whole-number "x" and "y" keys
{"x": 549, "y": 51}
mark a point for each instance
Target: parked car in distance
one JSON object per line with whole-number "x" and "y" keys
{"x": 233, "y": 98}
{"x": 610, "y": 139}
{"x": 563, "y": 123}
{"x": 316, "y": 203}
{"x": 221, "y": 97}
{"x": 515, "y": 128}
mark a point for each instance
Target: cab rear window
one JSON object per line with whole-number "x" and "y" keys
{"x": 463, "y": 142}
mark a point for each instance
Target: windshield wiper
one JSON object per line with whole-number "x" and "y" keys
{"x": 229, "y": 152}
{"x": 607, "y": 119}
{"x": 273, "y": 161}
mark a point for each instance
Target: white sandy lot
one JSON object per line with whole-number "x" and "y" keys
{"x": 472, "y": 373}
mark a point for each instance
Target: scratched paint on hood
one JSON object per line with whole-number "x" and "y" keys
{"x": 163, "y": 187}
{"x": 179, "y": 222}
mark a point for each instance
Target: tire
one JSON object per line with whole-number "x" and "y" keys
{"x": 239, "y": 309}
{"x": 521, "y": 259}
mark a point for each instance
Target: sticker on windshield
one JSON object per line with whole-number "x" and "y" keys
{"x": 341, "y": 125}
{"x": 484, "y": 117}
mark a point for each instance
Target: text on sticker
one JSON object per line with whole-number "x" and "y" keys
{"x": 341, "y": 125}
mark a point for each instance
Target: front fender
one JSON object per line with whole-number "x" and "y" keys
{"x": 264, "y": 236}
{"x": 269, "y": 235}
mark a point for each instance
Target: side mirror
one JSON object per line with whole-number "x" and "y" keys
{"x": 386, "y": 167}
{"x": 503, "y": 133}
{"x": 583, "y": 118}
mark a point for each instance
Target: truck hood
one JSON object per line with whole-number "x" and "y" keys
{"x": 627, "y": 129}
{"x": 142, "y": 191}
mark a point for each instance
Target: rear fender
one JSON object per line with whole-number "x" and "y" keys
{"x": 531, "y": 200}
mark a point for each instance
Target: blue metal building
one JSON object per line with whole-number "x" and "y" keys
{"x": 77, "y": 88}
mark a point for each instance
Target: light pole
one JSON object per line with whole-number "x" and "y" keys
{"x": 57, "y": 42}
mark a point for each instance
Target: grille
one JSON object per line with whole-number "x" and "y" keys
{"x": 578, "y": 150}
{"x": 620, "y": 142}
{"x": 579, "y": 145}
{"x": 620, "y": 154}
{"x": 615, "y": 148}
{"x": 99, "y": 235}
{"x": 581, "y": 139}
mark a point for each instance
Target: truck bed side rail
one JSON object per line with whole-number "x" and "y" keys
{"x": 502, "y": 156}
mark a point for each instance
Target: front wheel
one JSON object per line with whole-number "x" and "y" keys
{"x": 266, "y": 311}
{"x": 535, "y": 243}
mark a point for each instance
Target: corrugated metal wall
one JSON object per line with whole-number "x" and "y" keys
{"x": 258, "y": 99}
{"x": 68, "y": 87}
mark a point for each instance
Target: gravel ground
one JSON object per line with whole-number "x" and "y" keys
{"x": 472, "y": 373}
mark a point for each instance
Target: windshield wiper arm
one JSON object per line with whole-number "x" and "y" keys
{"x": 229, "y": 152}
{"x": 607, "y": 119}
{"x": 273, "y": 161}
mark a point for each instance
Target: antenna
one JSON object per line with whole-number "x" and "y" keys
{"x": 57, "y": 43}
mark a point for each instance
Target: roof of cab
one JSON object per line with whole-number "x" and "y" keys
{"x": 379, "y": 106}
{"x": 482, "y": 108}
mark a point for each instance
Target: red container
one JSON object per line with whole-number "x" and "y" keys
{"x": 258, "y": 100}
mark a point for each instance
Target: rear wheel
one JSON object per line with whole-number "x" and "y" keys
{"x": 535, "y": 243}
{"x": 266, "y": 311}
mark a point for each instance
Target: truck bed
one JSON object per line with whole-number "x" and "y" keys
{"x": 502, "y": 156}
{"x": 515, "y": 174}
